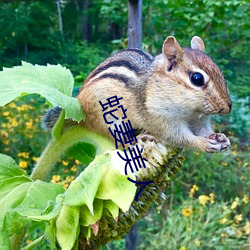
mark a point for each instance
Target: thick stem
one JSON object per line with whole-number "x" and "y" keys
{"x": 57, "y": 147}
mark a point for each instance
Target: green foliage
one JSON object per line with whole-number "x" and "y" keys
{"x": 24, "y": 200}
{"x": 19, "y": 198}
{"x": 198, "y": 224}
{"x": 223, "y": 25}
{"x": 52, "y": 82}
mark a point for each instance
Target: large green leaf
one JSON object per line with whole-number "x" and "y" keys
{"x": 117, "y": 188}
{"x": 101, "y": 180}
{"x": 6, "y": 186}
{"x": 83, "y": 152}
{"x": 112, "y": 208}
{"x": 21, "y": 199}
{"x": 53, "y": 82}
{"x": 67, "y": 226}
{"x": 86, "y": 218}
{"x": 39, "y": 194}
{"x": 83, "y": 189}
{"x": 9, "y": 168}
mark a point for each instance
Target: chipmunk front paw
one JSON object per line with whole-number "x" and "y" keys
{"x": 143, "y": 137}
{"x": 217, "y": 142}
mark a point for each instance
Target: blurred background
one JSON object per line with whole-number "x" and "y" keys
{"x": 207, "y": 206}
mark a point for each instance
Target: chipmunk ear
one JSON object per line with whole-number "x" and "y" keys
{"x": 171, "y": 49}
{"x": 197, "y": 43}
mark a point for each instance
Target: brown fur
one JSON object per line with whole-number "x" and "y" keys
{"x": 158, "y": 94}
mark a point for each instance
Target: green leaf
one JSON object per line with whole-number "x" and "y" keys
{"x": 86, "y": 232}
{"x": 67, "y": 226}
{"x": 20, "y": 197}
{"x": 50, "y": 234}
{"x": 46, "y": 217}
{"x": 83, "y": 189}
{"x": 118, "y": 188}
{"x": 34, "y": 243}
{"x": 14, "y": 198}
{"x": 86, "y": 218}
{"x": 9, "y": 168}
{"x": 112, "y": 208}
{"x": 53, "y": 82}
{"x": 6, "y": 186}
{"x": 101, "y": 180}
{"x": 39, "y": 194}
{"x": 4, "y": 240}
{"x": 83, "y": 152}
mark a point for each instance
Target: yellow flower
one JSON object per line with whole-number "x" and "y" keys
{"x": 12, "y": 105}
{"x": 14, "y": 123}
{"x": 245, "y": 199}
{"x": 6, "y": 149}
{"x": 224, "y": 164}
{"x": 193, "y": 190}
{"x": 187, "y": 211}
{"x": 235, "y": 203}
{"x": 211, "y": 195}
{"x": 77, "y": 162}
{"x": 35, "y": 159}
{"x": 223, "y": 220}
{"x": 183, "y": 248}
{"x": 203, "y": 199}
{"x": 73, "y": 168}
{"x": 247, "y": 227}
{"x": 65, "y": 163}
{"x": 65, "y": 185}
{"x": 238, "y": 159}
{"x": 55, "y": 178}
{"x": 238, "y": 218}
{"x": 29, "y": 124}
{"x": 6, "y": 113}
{"x": 24, "y": 154}
{"x": 6, "y": 141}
{"x": 197, "y": 242}
{"x": 234, "y": 152}
{"x": 223, "y": 235}
{"x": 70, "y": 178}
{"x": 4, "y": 134}
{"x": 238, "y": 233}
{"x": 23, "y": 164}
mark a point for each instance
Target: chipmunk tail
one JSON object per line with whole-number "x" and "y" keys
{"x": 50, "y": 118}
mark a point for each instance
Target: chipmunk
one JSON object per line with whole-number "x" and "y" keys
{"x": 170, "y": 97}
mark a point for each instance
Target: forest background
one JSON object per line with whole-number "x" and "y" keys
{"x": 208, "y": 203}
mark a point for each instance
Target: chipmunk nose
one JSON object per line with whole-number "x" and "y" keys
{"x": 226, "y": 109}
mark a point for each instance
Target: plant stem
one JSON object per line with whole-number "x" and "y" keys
{"x": 57, "y": 147}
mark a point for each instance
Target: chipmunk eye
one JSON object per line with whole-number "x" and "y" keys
{"x": 197, "y": 79}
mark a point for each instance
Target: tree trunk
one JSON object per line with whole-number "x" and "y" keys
{"x": 135, "y": 23}
{"x": 131, "y": 238}
{"x": 85, "y": 21}
{"x": 59, "y": 16}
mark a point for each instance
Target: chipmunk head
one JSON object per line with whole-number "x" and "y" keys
{"x": 197, "y": 77}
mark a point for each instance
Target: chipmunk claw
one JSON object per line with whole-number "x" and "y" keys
{"x": 218, "y": 142}
{"x": 143, "y": 137}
